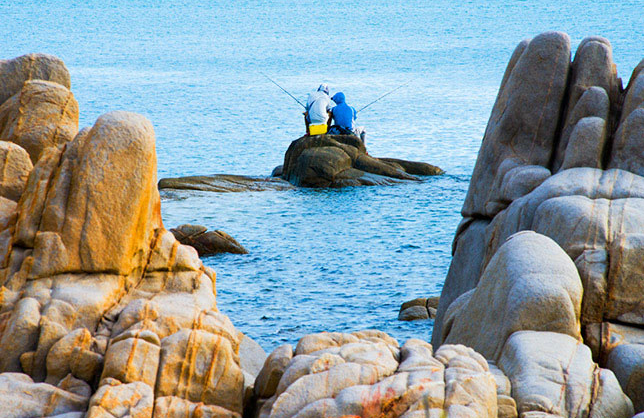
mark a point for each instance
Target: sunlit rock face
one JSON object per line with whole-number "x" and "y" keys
{"x": 367, "y": 374}
{"x": 102, "y": 311}
{"x": 561, "y": 157}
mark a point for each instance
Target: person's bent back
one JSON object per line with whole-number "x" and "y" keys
{"x": 317, "y": 108}
{"x": 344, "y": 116}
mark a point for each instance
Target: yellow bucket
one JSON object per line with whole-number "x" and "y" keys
{"x": 318, "y": 129}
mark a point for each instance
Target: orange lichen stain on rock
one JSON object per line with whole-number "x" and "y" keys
{"x": 375, "y": 404}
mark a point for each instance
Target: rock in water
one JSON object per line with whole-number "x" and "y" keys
{"x": 420, "y": 308}
{"x": 342, "y": 160}
{"x": 207, "y": 242}
{"x": 225, "y": 183}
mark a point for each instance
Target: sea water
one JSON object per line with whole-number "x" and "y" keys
{"x": 337, "y": 260}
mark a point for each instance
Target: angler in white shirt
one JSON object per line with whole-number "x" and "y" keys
{"x": 318, "y": 106}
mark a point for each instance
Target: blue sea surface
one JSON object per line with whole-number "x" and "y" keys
{"x": 337, "y": 260}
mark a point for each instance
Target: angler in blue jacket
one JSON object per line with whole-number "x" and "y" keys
{"x": 344, "y": 117}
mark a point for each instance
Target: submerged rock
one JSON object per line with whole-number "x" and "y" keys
{"x": 225, "y": 183}
{"x": 207, "y": 242}
{"x": 342, "y": 160}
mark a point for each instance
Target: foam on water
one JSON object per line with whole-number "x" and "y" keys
{"x": 319, "y": 259}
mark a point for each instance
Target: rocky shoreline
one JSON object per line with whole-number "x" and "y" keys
{"x": 103, "y": 313}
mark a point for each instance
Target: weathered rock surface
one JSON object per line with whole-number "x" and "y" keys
{"x": 15, "y": 167}
{"x": 626, "y": 361}
{"x": 207, "y": 242}
{"x": 43, "y": 114}
{"x": 342, "y": 160}
{"x": 562, "y": 157}
{"x": 516, "y": 292}
{"x": 554, "y": 373}
{"x": 525, "y": 116}
{"x": 366, "y": 374}
{"x": 103, "y": 313}
{"x": 225, "y": 183}
{"x": 22, "y": 398}
{"x": 14, "y": 73}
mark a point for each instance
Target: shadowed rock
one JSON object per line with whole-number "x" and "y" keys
{"x": 207, "y": 242}
{"x": 342, "y": 160}
{"x": 225, "y": 183}
{"x": 419, "y": 308}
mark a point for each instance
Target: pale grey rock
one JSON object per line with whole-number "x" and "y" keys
{"x": 22, "y": 330}
{"x": 514, "y": 180}
{"x": 634, "y": 92}
{"x": 586, "y": 144}
{"x": 251, "y": 356}
{"x": 589, "y": 188}
{"x": 524, "y": 119}
{"x": 593, "y": 270}
{"x": 22, "y": 398}
{"x": 628, "y": 153}
{"x": 612, "y": 335}
{"x": 453, "y": 312}
{"x": 530, "y": 284}
{"x": 625, "y": 278}
{"x": 593, "y": 68}
{"x": 610, "y": 399}
{"x": 464, "y": 271}
{"x": 554, "y": 373}
{"x": 627, "y": 362}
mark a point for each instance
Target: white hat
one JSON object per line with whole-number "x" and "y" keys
{"x": 324, "y": 87}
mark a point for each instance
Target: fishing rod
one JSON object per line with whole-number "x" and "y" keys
{"x": 284, "y": 90}
{"x": 385, "y": 95}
